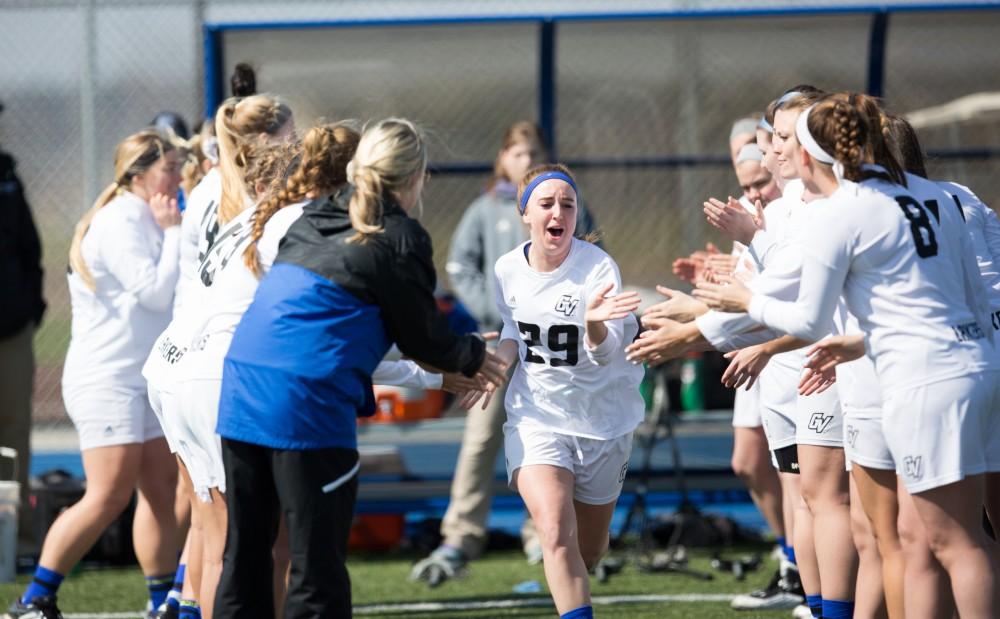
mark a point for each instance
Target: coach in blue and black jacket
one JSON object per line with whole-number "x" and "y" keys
{"x": 298, "y": 374}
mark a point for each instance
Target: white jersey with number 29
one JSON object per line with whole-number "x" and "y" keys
{"x": 561, "y": 384}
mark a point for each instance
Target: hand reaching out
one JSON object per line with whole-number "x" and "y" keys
{"x": 728, "y": 295}
{"x": 602, "y": 308}
{"x": 831, "y": 352}
{"x": 745, "y": 366}
{"x": 678, "y": 306}
{"x": 814, "y": 382}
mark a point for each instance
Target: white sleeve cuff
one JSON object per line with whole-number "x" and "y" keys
{"x": 603, "y": 352}
{"x": 756, "y": 308}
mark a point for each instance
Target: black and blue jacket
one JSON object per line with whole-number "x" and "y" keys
{"x": 298, "y": 371}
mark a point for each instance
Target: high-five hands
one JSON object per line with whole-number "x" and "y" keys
{"x": 678, "y": 306}
{"x": 602, "y": 308}
{"x": 729, "y": 294}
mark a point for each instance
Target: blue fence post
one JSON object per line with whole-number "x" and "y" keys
{"x": 876, "y": 53}
{"x": 212, "y": 39}
{"x": 547, "y": 84}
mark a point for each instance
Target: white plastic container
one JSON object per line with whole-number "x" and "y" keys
{"x": 10, "y": 499}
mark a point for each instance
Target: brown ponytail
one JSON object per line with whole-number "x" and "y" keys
{"x": 841, "y": 130}
{"x": 324, "y": 154}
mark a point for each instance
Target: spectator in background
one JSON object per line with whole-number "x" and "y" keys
{"x": 20, "y": 314}
{"x": 490, "y": 227}
{"x": 743, "y": 132}
{"x": 172, "y": 125}
{"x": 243, "y": 82}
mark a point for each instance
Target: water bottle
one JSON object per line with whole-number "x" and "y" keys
{"x": 10, "y": 499}
{"x": 693, "y": 382}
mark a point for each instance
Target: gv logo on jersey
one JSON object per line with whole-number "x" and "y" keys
{"x": 852, "y": 436}
{"x": 913, "y": 467}
{"x": 567, "y": 304}
{"x": 819, "y": 422}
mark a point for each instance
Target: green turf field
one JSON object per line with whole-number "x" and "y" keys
{"x": 382, "y": 580}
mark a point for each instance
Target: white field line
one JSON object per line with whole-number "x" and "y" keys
{"x": 429, "y": 607}
{"x": 601, "y": 600}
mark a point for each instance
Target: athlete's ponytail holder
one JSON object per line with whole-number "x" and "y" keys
{"x": 541, "y": 178}
{"x": 812, "y": 147}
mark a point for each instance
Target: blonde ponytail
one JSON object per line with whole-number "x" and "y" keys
{"x": 237, "y": 124}
{"x": 388, "y": 156}
{"x": 133, "y": 156}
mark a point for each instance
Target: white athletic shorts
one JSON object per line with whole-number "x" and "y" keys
{"x": 746, "y": 407}
{"x": 944, "y": 431}
{"x": 106, "y": 416}
{"x": 778, "y": 395}
{"x": 864, "y": 442}
{"x": 819, "y": 419}
{"x": 189, "y": 423}
{"x": 599, "y": 466}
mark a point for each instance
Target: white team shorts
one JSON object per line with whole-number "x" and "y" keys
{"x": 864, "y": 442}
{"x": 778, "y": 395}
{"x": 746, "y": 407}
{"x": 944, "y": 431}
{"x": 107, "y": 416}
{"x": 599, "y": 466}
{"x": 189, "y": 423}
{"x": 819, "y": 419}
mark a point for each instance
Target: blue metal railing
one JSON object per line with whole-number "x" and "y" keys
{"x": 213, "y": 34}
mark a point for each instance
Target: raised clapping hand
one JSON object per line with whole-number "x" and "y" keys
{"x": 690, "y": 269}
{"x": 602, "y": 308}
{"x": 726, "y": 294}
{"x": 734, "y": 220}
{"x": 829, "y": 353}
{"x": 745, "y": 366}
{"x": 678, "y": 306}
{"x": 662, "y": 341}
{"x": 165, "y": 211}
{"x": 721, "y": 264}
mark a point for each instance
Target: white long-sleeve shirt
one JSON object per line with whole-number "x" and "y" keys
{"x": 902, "y": 265}
{"x": 984, "y": 230}
{"x": 198, "y": 229}
{"x": 561, "y": 384}
{"x": 134, "y": 265}
{"x": 781, "y": 263}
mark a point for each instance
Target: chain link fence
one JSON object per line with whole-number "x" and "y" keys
{"x": 642, "y": 107}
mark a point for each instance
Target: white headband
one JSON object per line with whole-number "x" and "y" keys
{"x": 808, "y": 142}
{"x": 749, "y": 152}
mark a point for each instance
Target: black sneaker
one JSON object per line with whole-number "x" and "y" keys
{"x": 783, "y": 592}
{"x": 166, "y": 611}
{"x": 41, "y": 607}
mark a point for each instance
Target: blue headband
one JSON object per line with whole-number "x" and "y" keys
{"x": 766, "y": 126}
{"x": 538, "y": 180}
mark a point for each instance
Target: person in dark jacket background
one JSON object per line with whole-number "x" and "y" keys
{"x": 353, "y": 276}
{"x": 21, "y": 311}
